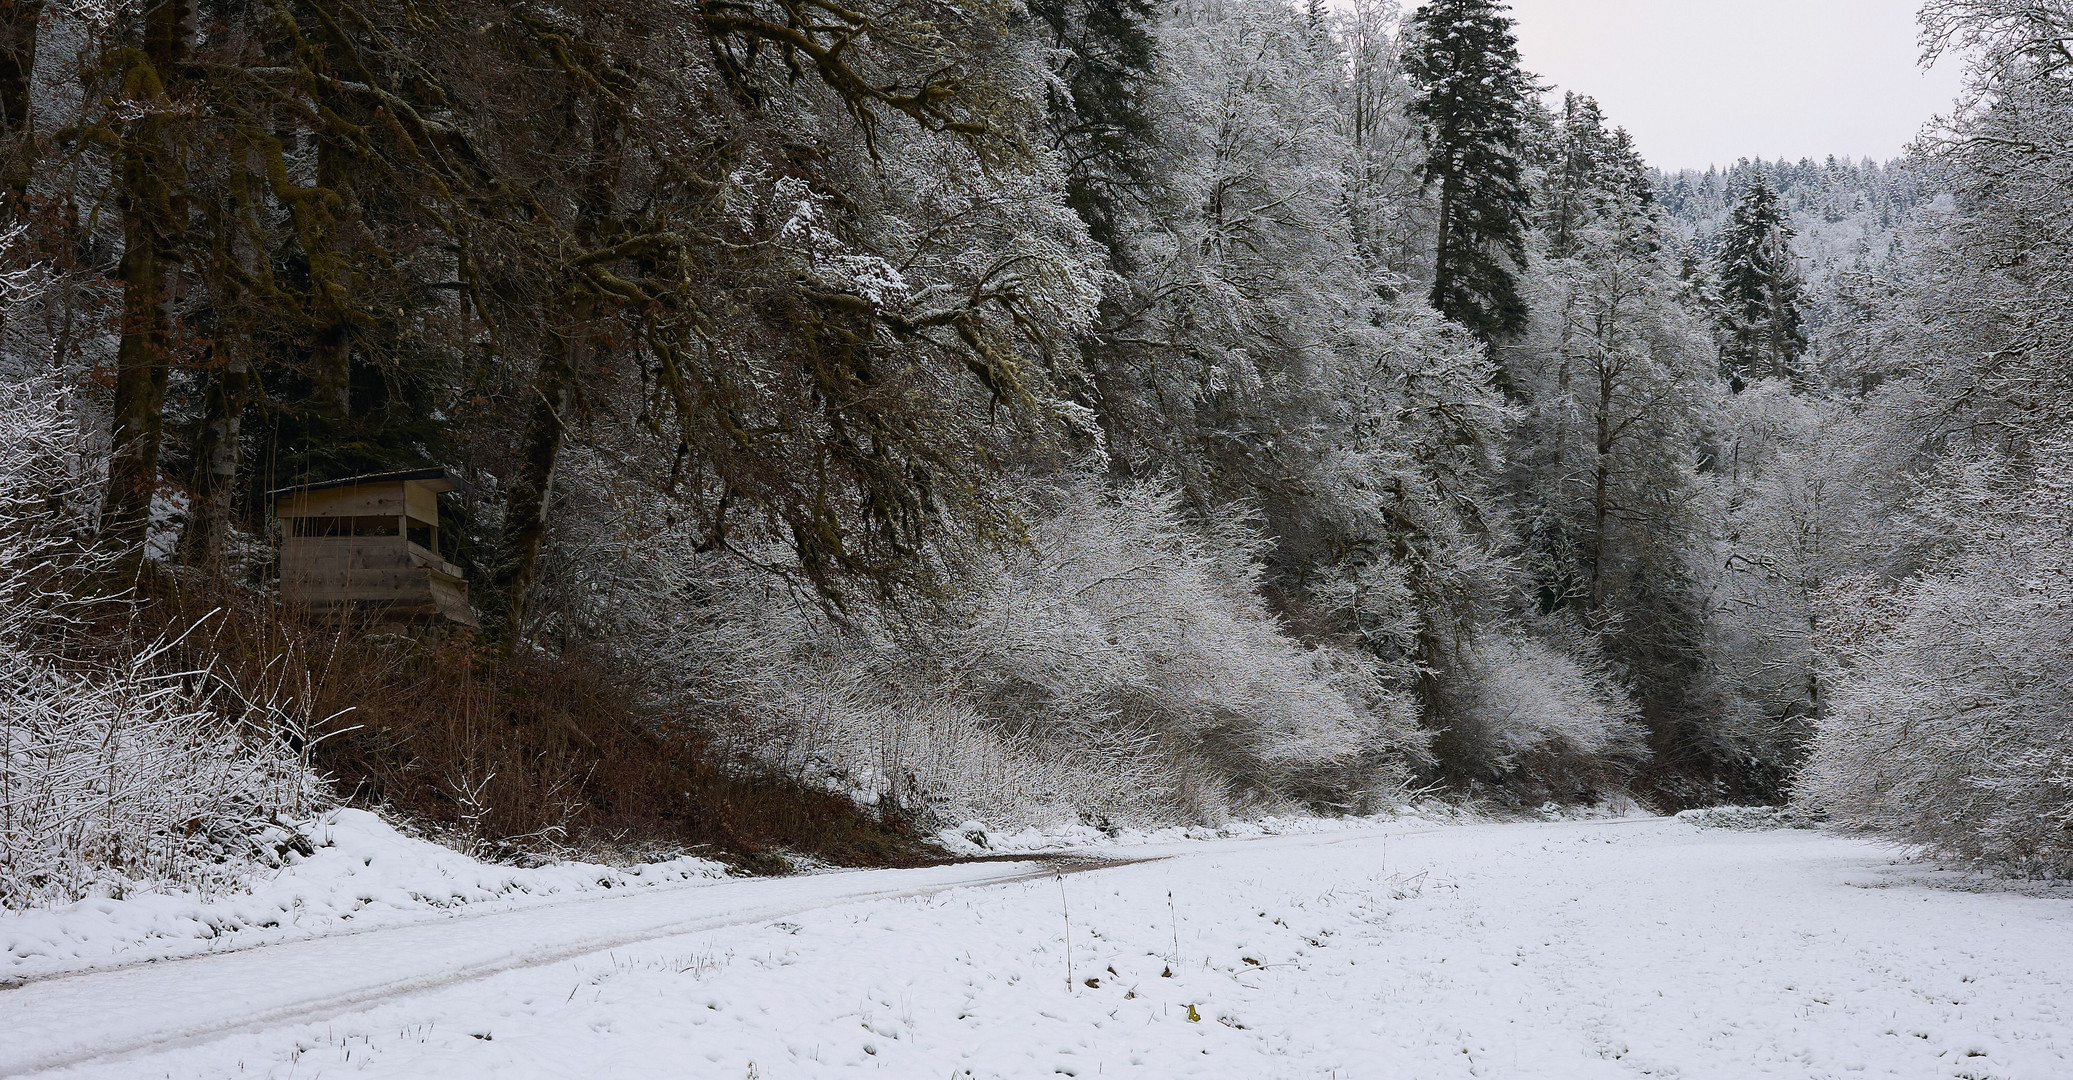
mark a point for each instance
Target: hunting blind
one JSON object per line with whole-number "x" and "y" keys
{"x": 368, "y": 547}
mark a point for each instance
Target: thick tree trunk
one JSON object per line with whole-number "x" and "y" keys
{"x": 532, "y": 487}
{"x": 331, "y": 287}
{"x": 142, "y": 356}
{"x": 1443, "y": 256}
{"x": 206, "y": 540}
{"x": 1601, "y": 501}
{"x": 18, "y": 20}
{"x": 1813, "y": 671}
{"x": 554, "y": 387}
{"x": 154, "y": 211}
{"x": 1563, "y": 379}
{"x": 168, "y": 34}
{"x": 1783, "y": 364}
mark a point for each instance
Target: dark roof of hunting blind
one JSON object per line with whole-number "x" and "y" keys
{"x": 441, "y": 480}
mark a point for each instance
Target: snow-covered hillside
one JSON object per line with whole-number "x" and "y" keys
{"x": 1843, "y": 211}
{"x": 1632, "y": 948}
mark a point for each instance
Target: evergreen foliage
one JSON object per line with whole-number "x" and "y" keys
{"x": 1587, "y": 165}
{"x": 1101, "y": 125}
{"x": 1005, "y": 410}
{"x": 1764, "y": 334}
{"x": 1473, "y": 100}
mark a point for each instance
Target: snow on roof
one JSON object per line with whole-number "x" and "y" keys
{"x": 440, "y": 480}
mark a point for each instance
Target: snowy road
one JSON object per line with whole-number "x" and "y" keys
{"x": 65, "y": 1020}
{"x": 1585, "y": 950}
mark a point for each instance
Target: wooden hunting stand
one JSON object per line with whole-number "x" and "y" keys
{"x": 366, "y": 549}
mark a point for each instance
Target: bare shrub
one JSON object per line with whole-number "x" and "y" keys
{"x": 1121, "y": 622}
{"x": 115, "y": 772}
{"x": 547, "y": 755}
{"x": 1120, "y": 664}
{"x": 1950, "y": 719}
{"x": 1548, "y": 717}
{"x": 119, "y": 779}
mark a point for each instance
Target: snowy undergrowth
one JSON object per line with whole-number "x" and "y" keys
{"x": 1122, "y": 663}
{"x": 118, "y": 770}
{"x": 1749, "y": 817}
{"x": 360, "y": 872}
{"x": 1947, "y": 724}
{"x": 1541, "y": 715}
{"x": 127, "y": 778}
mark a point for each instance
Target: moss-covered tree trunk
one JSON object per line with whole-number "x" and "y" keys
{"x": 331, "y": 360}
{"x": 142, "y": 362}
{"x": 532, "y": 487}
{"x": 154, "y": 209}
{"x": 206, "y": 539}
{"x": 554, "y": 388}
{"x": 18, "y": 21}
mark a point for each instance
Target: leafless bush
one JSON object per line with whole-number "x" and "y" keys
{"x": 1526, "y": 710}
{"x": 1122, "y": 624}
{"x": 1120, "y": 664}
{"x": 113, "y": 771}
{"x": 112, "y": 780}
{"x": 1950, "y": 721}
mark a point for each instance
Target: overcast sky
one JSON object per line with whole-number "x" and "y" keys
{"x": 1705, "y": 82}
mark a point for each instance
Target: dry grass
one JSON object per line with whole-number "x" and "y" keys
{"x": 538, "y": 755}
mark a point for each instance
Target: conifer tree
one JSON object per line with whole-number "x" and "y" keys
{"x": 1763, "y": 333}
{"x": 1103, "y": 60}
{"x": 1473, "y": 99}
{"x": 1589, "y": 166}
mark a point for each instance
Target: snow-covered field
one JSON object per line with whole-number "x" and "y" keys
{"x": 1575, "y": 949}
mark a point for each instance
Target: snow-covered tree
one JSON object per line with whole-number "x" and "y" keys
{"x": 1261, "y": 353}
{"x": 1944, "y": 724}
{"x": 1121, "y": 662}
{"x": 1947, "y": 722}
{"x": 1765, "y": 334}
{"x": 1614, "y": 381}
{"x": 1586, "y": 165}
{"x": 1388, "y": 202}
{"x": 1472, "y": 101}
{"x": 1246, "y": 274}
{"x": 1104, "y": 60}
{"x": 1790, "y": 496}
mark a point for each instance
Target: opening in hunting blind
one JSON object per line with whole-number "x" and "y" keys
{"x": 367, "y": 547}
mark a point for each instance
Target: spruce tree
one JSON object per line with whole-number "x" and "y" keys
{"x": 1473, "y": 100}
{"x": 1763, "y": 333}
{"x": 1588, "y": 167}
{"x": 1578, "y": 155}
{"x": 1103, "y": 61}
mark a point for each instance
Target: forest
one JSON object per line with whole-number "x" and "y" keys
{"x": 869, "y": 416}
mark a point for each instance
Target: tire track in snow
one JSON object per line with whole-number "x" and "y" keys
{"x": 98, "y": 1016}
{"x": 82, "y": 1019}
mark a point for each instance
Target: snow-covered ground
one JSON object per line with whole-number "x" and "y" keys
{"x": 361, "y": 873}
{"x": 1574, "y": 949}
